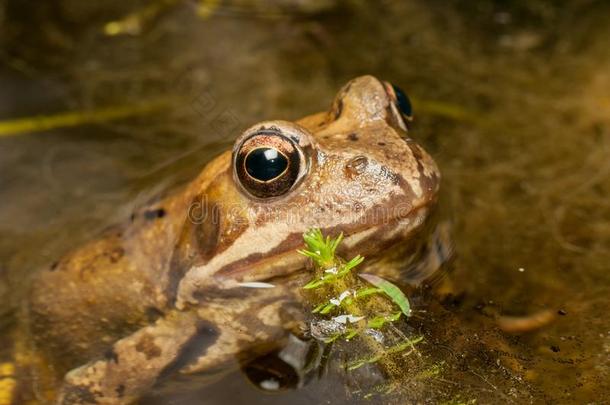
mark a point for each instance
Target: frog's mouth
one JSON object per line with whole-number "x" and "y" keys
{"x": 366, "y": 240}
{"x": 238, "y": 268}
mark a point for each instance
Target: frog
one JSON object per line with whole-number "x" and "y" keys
{"x": 209, "y": 276}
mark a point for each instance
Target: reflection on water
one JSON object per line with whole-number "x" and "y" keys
{"x": 511, "y": 99}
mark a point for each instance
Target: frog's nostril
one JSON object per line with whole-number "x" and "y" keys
{"x": 356, "y": 166}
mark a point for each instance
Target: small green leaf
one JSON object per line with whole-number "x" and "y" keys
{"x": 378, "y": 321}
{"x": 313, "y": 284}
{"x": 335, "y": 243}
{"x": 347, "y": 267}
{"x": 307, "y": 253}
{"x": 359, "y": 363}
{"x": 391, "y": 291}
{"x": 404, "y": 345}
{"x": 327, "y": 308}
{"x": 320, "y": 249}
{"x": 367, "y": 291}
{"x": 356, "y": 364}
{"x": 351, "y": 334}
{"x": 394, "y": 317}
{"x": 318, "y": 308}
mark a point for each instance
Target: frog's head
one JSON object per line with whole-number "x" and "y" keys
{"x": 351, "y": 170}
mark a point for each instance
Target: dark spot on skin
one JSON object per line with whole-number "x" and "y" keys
{"x": 390, "y": 175}
{"x": 338, "y": 106}
{"x": 395, "y": 178}
{"x": 555, "y": 349}
{"x": 338, "y": 109}
{"x": 417, "y": 152}
{"x": 196, "y": 347}
{"x": 154, "y": 213}
{"x": 206, "y": 232}
{"x": 116, "y": 254}
{"x": 198, "y": 242}
{"x": 79, "y": 394}
{"x": 250, "y": 321}
{"x": 381, "y": 143}
{"x": 291, "y": 312}
{"x": 120, "y": 390}
{"x": 426, "y": 183}
{"x": 353, "y": 137}
{"x": 147, "y": 346}
{"x": 111, "y": 355}
{"x": 213, "y": 293}
{"x": 54, "y": 266}
{"x": 132, "y": 217}
{"x": 152, "y": 314}
{"x": 562, "y": 312}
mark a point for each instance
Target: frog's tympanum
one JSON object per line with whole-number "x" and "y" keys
{"x": 178, "y": 288}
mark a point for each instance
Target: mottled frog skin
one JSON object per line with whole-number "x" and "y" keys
{"x": 170, "y": 290}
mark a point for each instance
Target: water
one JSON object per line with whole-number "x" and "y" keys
{"x": 511, "y": 99}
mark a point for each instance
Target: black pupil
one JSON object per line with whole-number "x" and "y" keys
{"x": 265, "y": 164}
{"x": 403, "y": 102}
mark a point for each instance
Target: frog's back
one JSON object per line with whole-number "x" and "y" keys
{"x": 105, "y": 289}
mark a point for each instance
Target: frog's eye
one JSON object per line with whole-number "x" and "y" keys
{"x": 403, "y": 103}
{"x": 268, "y": 164}
{"x": 400, "y": 103}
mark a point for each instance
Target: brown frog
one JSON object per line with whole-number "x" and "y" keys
{"x": 211, "y": 275}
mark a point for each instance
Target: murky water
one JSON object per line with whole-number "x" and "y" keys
{"x": 512, "y": 99}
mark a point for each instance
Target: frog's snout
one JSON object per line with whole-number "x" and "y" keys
{"x": 362, "y": 99}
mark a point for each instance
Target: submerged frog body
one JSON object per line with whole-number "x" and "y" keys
{"x": 173, "y": 289}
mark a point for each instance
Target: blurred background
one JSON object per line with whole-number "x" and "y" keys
{"x": 105, "y": 103}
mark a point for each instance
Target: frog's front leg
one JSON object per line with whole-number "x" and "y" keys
{"x": 132, "y": 365}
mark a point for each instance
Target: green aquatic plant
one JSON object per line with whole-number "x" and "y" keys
{"x": 85, "y": 117}
{"x": 332, "y": 274}
{"x": 402, "y": 346}
{"x": 322, "y": 251}
{"x": 379, "y": 321}
{"x": 359, "y": 306}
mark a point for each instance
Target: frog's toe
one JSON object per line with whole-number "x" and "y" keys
{"x": 7, "y": 383}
